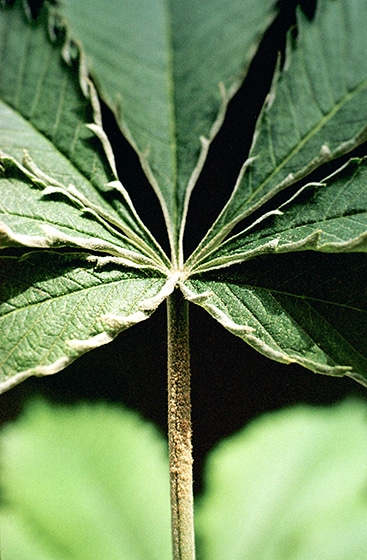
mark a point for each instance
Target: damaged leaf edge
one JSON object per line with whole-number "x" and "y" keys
{"x": 56, "y": 21}
{"x": 274, "y": 245}
{"x": 143, "y": 256}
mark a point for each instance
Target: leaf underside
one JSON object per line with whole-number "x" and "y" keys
{"x": 179, "y": 63}
{"x": 60, "y": 305}
{"x": 283, "y": 266}
{"x": 294, "y": 308}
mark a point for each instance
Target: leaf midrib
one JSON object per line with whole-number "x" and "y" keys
{"x": 272, "y": 291}
{"x": 171, "y": 94}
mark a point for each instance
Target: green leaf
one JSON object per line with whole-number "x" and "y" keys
{"x": 92, "y": 480}
{"x": 84, "y": 483}
{"x": 58, "y": 104}
{"x": 169, "y": 69}
{"x": 291, "y": 486}
{"x": 327, "y": 217}
{"x": 306, "y": 308}
{"x": 56, "y": 306}
{"x": 315, "y": 112}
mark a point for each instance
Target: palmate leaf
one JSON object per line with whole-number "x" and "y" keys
{"x": 63, "y": 193}
{"x": 61, "y": 190}
{"x": 169, "y": 68}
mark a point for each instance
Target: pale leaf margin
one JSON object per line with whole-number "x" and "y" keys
{"x": 136, "y": 256}
{"x": 277, "y": 237}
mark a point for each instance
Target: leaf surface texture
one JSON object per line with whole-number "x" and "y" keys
{"x": 56, "y": 306}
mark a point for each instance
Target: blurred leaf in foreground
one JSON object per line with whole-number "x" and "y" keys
{"x": 91, "y": 482}
{"x": 84, "y": 483}
{"x": 291, "y": 486}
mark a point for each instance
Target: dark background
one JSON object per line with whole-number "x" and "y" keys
{"x": 231, "y": 383}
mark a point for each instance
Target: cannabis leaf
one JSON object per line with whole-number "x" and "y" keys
{"x": 78, "y": 263}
